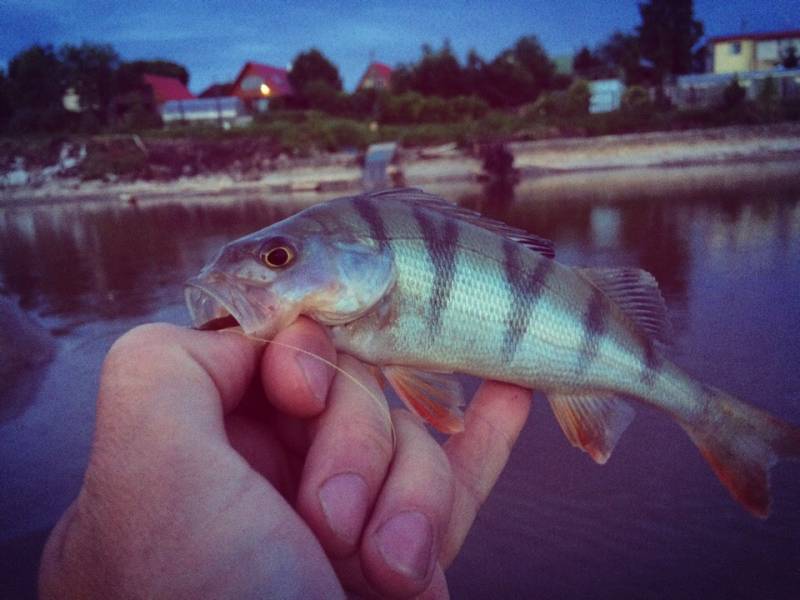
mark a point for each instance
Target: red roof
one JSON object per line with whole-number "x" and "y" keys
{"x": 773, "y": 35}
{"x": 167, "y": 88}
{"x": 379, "y": 71}
{"x": 276, "y": 78}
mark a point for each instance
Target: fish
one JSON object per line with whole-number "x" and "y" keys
{"x": 423, "y": 290}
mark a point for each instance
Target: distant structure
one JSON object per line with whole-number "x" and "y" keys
{"x": 751, "y": 51}
{"x": 708, "y": 89}
{"x": 225, "y": 112}
{"x": 257, "y": 84}
{"x": 606, "y": 95}
{"x": 378, "y": 76}
{"x": 166, "y": 88}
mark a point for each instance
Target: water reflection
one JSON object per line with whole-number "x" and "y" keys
{"x": 80, "y": 263}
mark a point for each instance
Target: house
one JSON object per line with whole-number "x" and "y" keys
{"x": 606, "y": 95}
{"x": 751, "y": 51}
{"x": 166, "y": 88}
{"x": 257, "y": 84}
{"x": 378, "y": 76}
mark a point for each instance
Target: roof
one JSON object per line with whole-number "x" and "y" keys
{"x": 276, "y": 78}
{"x": 167, "y": 88}
{"x": 376, "y": 70}
{"x": 770, "y": 35}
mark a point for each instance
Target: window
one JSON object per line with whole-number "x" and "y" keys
{"x": 252, "y": 82}
{"x": 736, "y": 47}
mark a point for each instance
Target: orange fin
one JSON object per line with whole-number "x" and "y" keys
{"x": 741, "y": 443}
{"x": 592, "y": 422}
{"x": 435, "y": 397}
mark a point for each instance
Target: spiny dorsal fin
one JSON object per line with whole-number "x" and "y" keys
{"x": 435, "y": 397}
{"x": 636, "y": 292}
{"x": 413, "y": 195}
{"x": 592, "y": 423}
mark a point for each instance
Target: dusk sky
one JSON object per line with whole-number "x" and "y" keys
{"x": 214, "y": 39}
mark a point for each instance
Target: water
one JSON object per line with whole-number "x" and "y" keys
{"x": 652, "y": 523}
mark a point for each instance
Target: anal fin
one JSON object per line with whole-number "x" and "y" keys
{"x": 592, "y": 422}
{"x": 435, "y": 397}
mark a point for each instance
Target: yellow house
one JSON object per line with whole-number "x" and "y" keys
{"x": 752, "y": 51}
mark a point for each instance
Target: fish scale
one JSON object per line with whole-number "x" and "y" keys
{"x": 418, "y": 287}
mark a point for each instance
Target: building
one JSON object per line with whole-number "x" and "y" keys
{"x": 708, "y": 89}
{"x": 752, "y": 51}
{"x": 606, "y": 95}
{"x": 166, "y": 88}
{"x": 378, "y": 76}
{"x": 257, "y": 84}
{"x": 225, "y": 112}
{"x": 217, "y": 90}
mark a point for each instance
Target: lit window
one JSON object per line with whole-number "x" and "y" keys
{"x": 264, "y": 89}
{"x": 736, "y": 48}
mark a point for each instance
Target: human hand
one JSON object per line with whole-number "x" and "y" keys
{"x": 192, "y": 491}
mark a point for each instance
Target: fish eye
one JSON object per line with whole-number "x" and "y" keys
{"x": 277, "y": 257}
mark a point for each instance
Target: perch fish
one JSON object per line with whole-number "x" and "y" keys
{"x": 424, "y": 289}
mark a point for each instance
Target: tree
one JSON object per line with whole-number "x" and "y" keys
{"x": 621, "y": 53}
{"x": 667, "y": 34}
{"x": 585, "y": 64}
{"x": 6, "y": 108}
{"x": 517, "y": 75}
{"x": 789, "y": 58}
{"x": 439, "y": 73}
{"x": 37, "y": 78}
{"x": 310, "y": 66}
{"x": 90, "y": 69}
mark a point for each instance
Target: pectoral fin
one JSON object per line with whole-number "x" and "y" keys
{"x": 592, "y": 423}
{"x": 435, "y": 397}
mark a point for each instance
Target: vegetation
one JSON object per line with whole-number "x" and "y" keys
{"x": 516, "y": 95}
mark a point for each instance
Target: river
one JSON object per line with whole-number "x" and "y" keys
{"x": 652, "y": 523}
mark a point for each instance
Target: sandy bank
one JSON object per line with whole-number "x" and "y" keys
{"x": 575, "y": 159}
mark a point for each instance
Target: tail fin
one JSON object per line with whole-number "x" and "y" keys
{"x": 741, "y": 443}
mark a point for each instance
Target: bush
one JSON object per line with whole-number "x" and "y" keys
{"x": 636, "y": 100}
{"x": 733, "y": 95}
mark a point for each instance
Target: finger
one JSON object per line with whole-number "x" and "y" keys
{"x": 295, "y": 380}
{"x": 174, "y": 375}
{"x": 352, "y": 578}
{"x": 347, "y": 461}
{"x": 493, "y": 422}
{"x": 402, "y": 540}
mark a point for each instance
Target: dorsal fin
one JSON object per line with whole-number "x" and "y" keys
{"x": 636, "y": 292}
{"x": 534, "y": 242}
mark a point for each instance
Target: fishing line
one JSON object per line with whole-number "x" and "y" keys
{"x": 382, "y": 405}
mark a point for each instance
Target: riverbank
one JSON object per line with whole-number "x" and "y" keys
{"x": 333, "y": 173}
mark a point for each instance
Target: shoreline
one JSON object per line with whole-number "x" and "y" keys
{"x": 568, "y": 159}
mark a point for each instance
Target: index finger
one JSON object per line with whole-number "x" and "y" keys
{"x": 477, "y": 456}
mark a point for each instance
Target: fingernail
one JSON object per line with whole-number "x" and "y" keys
{"x": 344, "y": 499}
{"x": 317, "y": 375}
{"x": 405, "y": 542}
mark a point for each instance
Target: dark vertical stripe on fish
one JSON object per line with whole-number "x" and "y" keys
{"x": 525, "y": 288}
{"x": 652, "y": 362}
{"x": 441, "y": 247}
{"x": 367, "y": 210}
{"x": 594, "y": 325}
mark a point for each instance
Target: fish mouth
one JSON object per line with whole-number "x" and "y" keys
{"x": 223, "y": 303}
